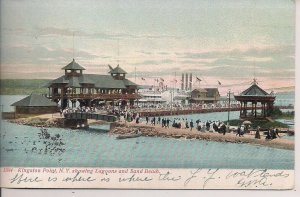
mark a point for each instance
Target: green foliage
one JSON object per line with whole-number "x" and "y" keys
{"x": 278, "y": 114}
{"x": 23, "y": 86}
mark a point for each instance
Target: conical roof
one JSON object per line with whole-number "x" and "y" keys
{"x": 118, "y": 70}
{"x": 254, "y": 90}
{"x": 73, "y": 66}
{"x": 35, "y": 100}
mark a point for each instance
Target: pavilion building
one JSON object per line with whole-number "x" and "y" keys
{"x": 205, "y": 96}
{"x": 261, "y": 102}
{"x": 92, "y": 89}
{"x": 35, "y": 104}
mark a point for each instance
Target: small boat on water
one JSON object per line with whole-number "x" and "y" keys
{"x": 129, "y": 135}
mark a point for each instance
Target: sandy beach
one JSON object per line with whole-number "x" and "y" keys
{"x": 157, "y": 130}
{"x": 120, "y": 128}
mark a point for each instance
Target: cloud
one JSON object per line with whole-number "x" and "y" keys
{"x": 144, "y": 52}
{"x": 248, "y": 51}
{"x": 270, "y": 61}
{"x": 155, "y": 62}
{"x": 54, "y": 31}
{"x": 39, "y": 55}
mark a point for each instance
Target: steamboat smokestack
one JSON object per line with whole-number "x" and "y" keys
{"x": 186, "y": 81}
{"x": 182, "y": 82}
{"x": 191, "y": 81}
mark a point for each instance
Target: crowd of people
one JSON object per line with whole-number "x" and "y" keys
{"x": 176, "y": 106}
{"x": 202, "y": 126}
{"x": 184, "y": 123}
{"x": 166, "y": 122}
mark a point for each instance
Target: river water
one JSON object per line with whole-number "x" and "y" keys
{"x": 26, "y": 146}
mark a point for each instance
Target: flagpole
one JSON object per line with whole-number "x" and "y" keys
{"x": 135, "y": 74}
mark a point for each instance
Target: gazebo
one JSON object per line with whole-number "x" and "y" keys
{"x": 258, "y": 99}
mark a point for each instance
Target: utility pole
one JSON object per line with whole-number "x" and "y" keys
{"x": 135, "y": 74}
{"x": 229, "y": 93}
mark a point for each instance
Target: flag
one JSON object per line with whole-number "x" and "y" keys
{"x": 109, "y": 66}
{"x": 198, "y": 79}
{"x": 143, "y": 78}
{"x": 219, "y": 83}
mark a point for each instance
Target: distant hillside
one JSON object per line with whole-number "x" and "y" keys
{"x": 23, "y": 86}
{"x": 283, "y": 89}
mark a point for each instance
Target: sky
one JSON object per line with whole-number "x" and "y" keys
{"x": 230, "y": 41}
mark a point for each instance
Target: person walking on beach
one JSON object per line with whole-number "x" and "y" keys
{"x": 168, "y": 122}
{"x": 147, "y": 119}
{"x": 257, "y": 134}
{"x": 163, "y": 122}
{"x": 273, "y": 133}
{"x": 268, "y": 136}
{"x": 277, "y": 132}
{"x": 191, "y": 124}
{"x": 207, "y": 125}
{"x": 186, "y": 124}
{"x": 238, "y": 131}
{"x": 197, "y": 123}
{"x": 223, "y": 129}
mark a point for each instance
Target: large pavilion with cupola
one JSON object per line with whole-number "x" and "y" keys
{"x": 92, "y": 89}
{"x": 255, "y": 103}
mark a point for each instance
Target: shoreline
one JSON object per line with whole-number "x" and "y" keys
{"x": 121, "y": 128}
{"x": 156, "y": 131}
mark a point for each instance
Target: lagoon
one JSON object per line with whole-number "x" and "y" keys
{"x": 21, "y": 146}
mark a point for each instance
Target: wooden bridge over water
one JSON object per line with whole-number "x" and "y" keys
{"x": 80, "y": 119}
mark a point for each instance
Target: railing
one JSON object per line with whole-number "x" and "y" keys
{"x": 97, "y": 96}
{"x": 87, "y": 115}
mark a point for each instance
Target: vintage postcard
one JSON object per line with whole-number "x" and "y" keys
{"x": 139, "y": 94}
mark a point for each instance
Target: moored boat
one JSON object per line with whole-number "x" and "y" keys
{"x": 129, "y": 135}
